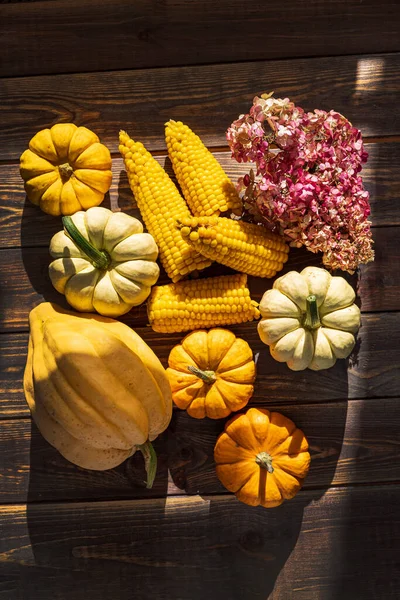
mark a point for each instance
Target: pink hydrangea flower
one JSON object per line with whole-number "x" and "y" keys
{"x": 307, "y": 184}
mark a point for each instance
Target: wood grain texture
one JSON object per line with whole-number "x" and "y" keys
{"x": 24, "y": 275}
{"x": 208, "y": 98}
{"x": 372, "y": 371}
{"x": 349, "y": 443}
{"x": 120, "y": 34}
{"x": 22, "y": 223}
{"x": 341, "y": 545}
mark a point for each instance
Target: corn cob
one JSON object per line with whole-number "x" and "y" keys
{"x": 205, "y": 186}
{"x": 201, "y": 303}
{"x": 245, "y": 247}
{"x": 160, "y": 204}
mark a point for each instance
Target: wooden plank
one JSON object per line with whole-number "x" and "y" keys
{"x": 23, "y": 274}
{"x": 341, "y": 544}
{"x": 354, "y": 443}
{"x": 120, "y": 34}
{"x": 372, "y": 371}
{"x": 208, "y": 98}
{"x": 22, "y": 224}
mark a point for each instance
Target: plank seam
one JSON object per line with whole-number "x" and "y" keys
{"x": 295, "y": 403}
{"x": 160, "y": 152}
{"x": 203, "y": 65}
{"x": 183, "y": 497}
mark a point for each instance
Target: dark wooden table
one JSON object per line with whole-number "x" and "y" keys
{"x": 67, "y": 533}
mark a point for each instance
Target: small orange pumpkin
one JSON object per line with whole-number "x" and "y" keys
{"x": 262, "y": 457}
{"x": 211, "y": 373}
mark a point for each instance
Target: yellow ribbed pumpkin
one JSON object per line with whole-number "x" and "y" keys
{"x": 66, "y": 169}
{"x": 97, "y": 392}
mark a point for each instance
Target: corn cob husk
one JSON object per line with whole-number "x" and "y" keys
{"x": 201, "y": 304}
{"x": 160, "y": 204}
{"x": 245, "y": 247}
{"x": 206, "y": 187}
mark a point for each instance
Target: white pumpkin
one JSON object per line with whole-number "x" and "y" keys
{"x": 104, "y": 262}
{"x": 309, "y": 319}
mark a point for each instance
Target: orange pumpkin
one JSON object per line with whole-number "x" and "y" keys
{"x": 262, "y": 457}
{"x": 211, "y": 373}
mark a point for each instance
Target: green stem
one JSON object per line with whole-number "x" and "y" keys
{"x": 150, "y": 462}
{"x": 207, "y": 376}
{"x": 98, "y": 258}
{"x": 312, "y": 320}
{"x": 265, "y": 461}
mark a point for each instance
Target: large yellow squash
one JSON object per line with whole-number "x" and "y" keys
{"x": 97, "y": 392}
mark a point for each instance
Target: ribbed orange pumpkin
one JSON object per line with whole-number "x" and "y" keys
{"x": 262, "y": 457}
{"x": 211, "y": 373}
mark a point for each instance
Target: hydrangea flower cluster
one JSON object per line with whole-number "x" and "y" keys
{"x": 307, "y": 184}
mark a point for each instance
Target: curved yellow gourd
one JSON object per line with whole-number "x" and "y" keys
{"x": 97, "y": 392}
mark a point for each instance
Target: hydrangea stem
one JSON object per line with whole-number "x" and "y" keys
{"x": 150, "y": 462}
{"x": 206, "y": 376}
{"x": 312, "y": 320}
{"x": 99, "y": 258}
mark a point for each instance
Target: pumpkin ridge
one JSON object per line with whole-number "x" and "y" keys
{"x": 86, "y": 226}
{"x": 199, "y": 391}
{"x": 286, "y": 469}
{"x": 249, "y": 381}
{"x": 91, "y": 188}
{"x": 122, "y": 383}
{"x": 232, "y": 406}
{"x": 93, "y": 404}
{"x": 89, "y": 407}
{"x": 217, "y": 391}
{"x": 243, "y": 483}
{"x": 54, "y": 437}
{"x": 65, "y": 407}
{"x": 86, "y": 422}
{"x": 152, "y": 423}
{"x": 175, "y": 367}
{"x": 294, "y": 302}
{"x": 223, "y": 356}
{"x": 185, "y": 405}
{"x": 194, "y": 358}
{"x": 67, "y": 285}
{"x": 278, "y": 451}
{"x": 183, "y": 384}
{"x": 281, "y": 487}
{"x": 237, "y": 366}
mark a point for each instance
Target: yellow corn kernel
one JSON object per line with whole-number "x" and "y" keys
{"x": 160, "y": 204}
{"x": 211, "y": 302}
{"x": 245, "y": 247}
{"x": 205, "y": 185}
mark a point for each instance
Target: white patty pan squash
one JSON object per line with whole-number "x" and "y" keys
{"x": 96, "y": 391}
{"x": 309, "y": 319}
{"x": 104, "y": 262}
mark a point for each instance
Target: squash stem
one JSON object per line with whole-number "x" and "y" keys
{"x": 206, "y": 376}
{"x": 99, "y": 258}
{"x": 150, "y": 462}
{"x": 312, "y": 320}
{"x": 265, "y": 461}
{"x": 65, "y": 171}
